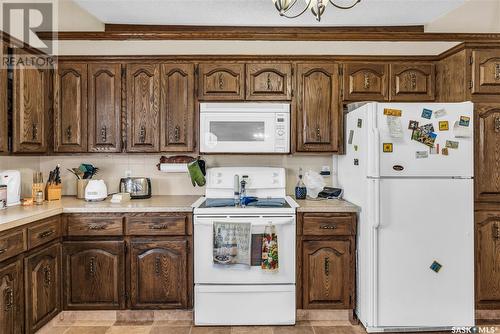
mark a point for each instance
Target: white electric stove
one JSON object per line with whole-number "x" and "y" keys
{"x": 240, "y": 294}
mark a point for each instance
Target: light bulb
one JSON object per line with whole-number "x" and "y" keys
{"x": 282, "y": 5}
{"x": 317, "y": 7}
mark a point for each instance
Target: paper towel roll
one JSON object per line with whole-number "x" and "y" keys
{"x": 173, "y": 168}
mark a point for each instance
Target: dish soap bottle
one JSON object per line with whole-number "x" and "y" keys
{"x": 300, "y": 188}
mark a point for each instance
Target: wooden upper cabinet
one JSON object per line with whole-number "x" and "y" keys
{"x": 487, "y": 259}
{"x": 318, "y": 111}
{"x": 412, "y": 82}
{"x": 143, "y": 107}
{"x": 3, "y": 104}
{"x": 487, "y": 151}
{"x": 327, "y": 274}
{"x": 177, "y": 108}
{"x": 366, "y": 81}
{"x": 486, "y": 71}
{"x": 70, "y": 108}
{"x": 43, "y": 287}
{"x": 104, "y": 107}
{"x": 94, "y": 275}
{"x": 158, "y": 274}
{"x": 269, "y": 81}
{"x": 11, "y": 298}
{"x": 218, "y": 81}
{"x": 31, "y": 109}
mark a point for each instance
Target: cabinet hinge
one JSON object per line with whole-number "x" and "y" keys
{"x": 293, "y": 92}
{"x": 187, "y": 248}
{"x": 471, "y": 84}
{"x": 125, "y": 246}
{"x": 293, "y": 71}
{"x": 350, "y": 300}
{"x": 341, "y": 70}
{"x": 197, "y": 69}
{"x": 471, "y": 60}
{"x": 125, "y": 295}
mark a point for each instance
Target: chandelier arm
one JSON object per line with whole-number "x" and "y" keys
{"x": 344, "y": 7}
{"x": 302, "y": 12}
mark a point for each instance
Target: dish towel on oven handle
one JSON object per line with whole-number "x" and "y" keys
{"x": 270, "y": 249}
{"x": 232, "y": 243}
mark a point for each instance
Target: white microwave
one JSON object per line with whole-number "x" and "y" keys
{"x": 244, "y": 127}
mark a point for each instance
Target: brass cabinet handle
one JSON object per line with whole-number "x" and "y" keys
{"x": 34, "y": 133}
{"x": 497, "y": 71}
{"x": 157, "y": 265}
{"x": 69, "y": 133}
{"x": 328, "y": 227}
{"x": 104, "y": 134}
{"x": 142, "y": 134}
{"x": 92, "y": 266}
{"x": 496, "y": 231}
{"x": 45, "y": 234}
{"x": 221, "y": 81}
{"x": 158, "y": 227}
{"x": 3, "y": 250}
{"x": 269, "y": 86}
{"x": 9, "y": 299}
{"x": 177, "y": 133}
{"x": 327, "y": 266}
{"x": 367, "y": 82}
{"x": 318, "y": 133}
{"x": 47, "y": 276}
{"x": 413, "y": 80}
{"x": 96, "y": 226}
{"x": 497, "y": 124}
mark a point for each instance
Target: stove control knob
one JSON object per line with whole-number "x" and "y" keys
{"x": 280, "y": 133}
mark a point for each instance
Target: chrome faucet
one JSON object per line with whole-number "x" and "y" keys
{"x": 243, "y": 190}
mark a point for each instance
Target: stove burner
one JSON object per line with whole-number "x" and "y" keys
{"x": 257, "y": 203}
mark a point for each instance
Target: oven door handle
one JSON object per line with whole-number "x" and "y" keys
{"x": 281, "y": 223}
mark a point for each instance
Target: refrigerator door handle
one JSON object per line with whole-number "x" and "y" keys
{"x": 376, "y": 203}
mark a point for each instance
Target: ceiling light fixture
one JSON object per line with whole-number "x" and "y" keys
{"x": 317, "y": 7}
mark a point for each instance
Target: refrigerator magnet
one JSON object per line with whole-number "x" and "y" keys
{"x": 460, "y": 131}
{"x": 464, "y": 121}
{"x": 444, "y": 151}
{"x": 395, "y": 127}
{"x": 426, "y": 113}
{"x": 360, "y": 122}
{"x": 436, "y": 266}
{"x": 356, "y": 162}
{"x": 387, "y": 147}
{"x": 412, "y": 125}
{"x": 393, "y": 112}
{"x": 421, "y": 154}
{"x": 351, "y": 135}
{"x": 434, "y": 150}
{"x": 452, "y": 144}
{"x": 443, "y": 126}
{"x": 439, "y": 113}
{"x": 356, "y": 148}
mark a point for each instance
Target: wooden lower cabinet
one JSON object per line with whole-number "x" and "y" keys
{"x": 43, "y": 287}
{"x": 158, "y": 274}
{"x": 487, "y": 235}
{"x": 94, "y": 274}
{"x": 11, "y": 297}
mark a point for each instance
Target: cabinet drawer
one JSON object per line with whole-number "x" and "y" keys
{"x": 328, "y": 224}
{"x": 44, "y": 231}
{"x": 157, "y": 225}
{"x": 12, "y": 244}
{"x": 100, "y": 225}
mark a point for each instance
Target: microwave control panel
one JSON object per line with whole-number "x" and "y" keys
{"x": 281, "y": 131}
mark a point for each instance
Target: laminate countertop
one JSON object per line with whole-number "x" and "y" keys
{"x": 19, "y": 215}
{"x": 326, "y": 205}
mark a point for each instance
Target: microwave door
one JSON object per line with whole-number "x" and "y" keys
{"x": 237, "y": 132}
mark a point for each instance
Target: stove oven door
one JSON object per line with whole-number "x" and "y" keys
{"x": 206, "y": 272}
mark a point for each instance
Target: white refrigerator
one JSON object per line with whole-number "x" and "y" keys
{"x": 415, "y": 246}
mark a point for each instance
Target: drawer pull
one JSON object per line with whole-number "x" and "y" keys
{"x": 328, "y": 227}
{"x": 95, "y": 227}
{"x": 45, "y": 234}
{"x": 3, "y": 250}
{"x": 327, "y": 266}
{"x": 9, "y": 299}
{"x": 47, "y": 276}
{"x": 158, "y": 227}
{"x": 92, "y": 266}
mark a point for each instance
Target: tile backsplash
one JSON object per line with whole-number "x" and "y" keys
{"x": 115, "y": 166}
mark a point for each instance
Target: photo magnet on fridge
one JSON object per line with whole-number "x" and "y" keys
{"x": 464, "y": 121}
{"x": 421, "y": 154}
{"x": 387, "y": 147}
{"x": 436, "y": 266}
{"x": 444, "y": 151}
{"x": 434, "y": 150}
{"x": 452, "y": 144}
{"x": 360, "y": 122}
{"x": 351, "y": 135}
{"x": 440, "y": 113}
{"x": 427, "y": 113}
{"x": 412, "y": 125}
{"x": 393, "y": 112}
{"x": 356, "y": 148}
{"x": 443, "y": 126}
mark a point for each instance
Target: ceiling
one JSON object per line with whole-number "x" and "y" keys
{"x": 263, "y": 13}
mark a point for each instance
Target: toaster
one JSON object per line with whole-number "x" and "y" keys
{"x": 137, "y": 187}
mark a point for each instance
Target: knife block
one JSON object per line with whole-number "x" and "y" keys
{"x": 54, "y": 192}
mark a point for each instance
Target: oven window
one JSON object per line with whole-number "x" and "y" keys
{"x": 238, "y": 131}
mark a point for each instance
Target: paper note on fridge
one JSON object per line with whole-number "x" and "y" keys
{"x": 395, "y": 126}
{"x": 460, "y": 131}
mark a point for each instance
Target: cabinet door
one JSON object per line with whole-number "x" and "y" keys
{"x": 158, "y": 274}
{"x": 143, "y": 107}
{"x": 487, "y": 151}
{"x": 70, "y": 108}
{"x": 488, "y": 259}
{"x": 221, "y": 82}
{"x": 43, "y": 287}
{"x": 31, "y": 108}
{"x": 3, "y": 103}
{"x": 318, "y": 110}
{"x": 104, "y": 106}
{"x": 177, "y": 107}
{"x": 269, "y": 82}
{"x": 366, "y": 81}
{"x": 93, "y": 275}
{"x": 11, "y": 298}
{"x": 412, "y": 82}
{"x": 486, "y": 72}
{"x": 327, "y": 274}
